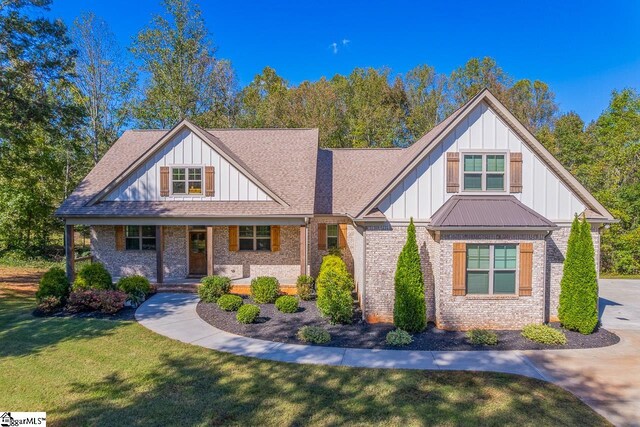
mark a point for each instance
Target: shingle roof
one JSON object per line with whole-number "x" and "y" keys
{"x": 498, "y": 212}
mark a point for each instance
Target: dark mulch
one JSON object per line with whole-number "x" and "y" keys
{"x": 126, "y": 313}
{"x": 273, "y": 325}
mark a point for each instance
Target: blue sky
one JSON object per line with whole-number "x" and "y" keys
{"x": 583, "y": 50}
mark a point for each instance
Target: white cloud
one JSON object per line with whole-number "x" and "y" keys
{"x": 345, "y": 42}
{"x": 334, "y": 47}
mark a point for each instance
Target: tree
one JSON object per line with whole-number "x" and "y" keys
{"x": 533, "y": 103}
{"x": 104, "y": 80}
{"x": 185, "y": 80}
{"x": 426, "y": 100}
{"x": 578, "y": 310}
{"x": 409, "y": 310}
{"x": 477, "y": 74}
{"x": 265, "y": 102}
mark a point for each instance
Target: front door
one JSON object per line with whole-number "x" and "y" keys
{"x": 197, "y": 253}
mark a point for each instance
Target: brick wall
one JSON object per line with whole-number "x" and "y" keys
{"x": 315, "y": 254}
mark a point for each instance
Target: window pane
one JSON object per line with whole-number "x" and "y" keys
{"x": 478, "y": 257}
{"x": 195, "y": 174}
{"x": 473, "y": 163}
{"x": 478, "y": 282}
{"x": 263, "y": 231}
{"x": 246, "y": 231}
{"x": 504, "y": 256}
{"x": 149, "y": 244}
{"x": 332, "y": 230}
{"x": 132, "y": 231}
{"x": 332, "y": 242}
{"x": 149, "y": 231}
{"x": 178, "y": 174}
{"x": 495, "y": 163}
{"x": 132, "y": 244}
{"x": 179, "y": 187}
{"x": 495, "y": 182}
{"x": 504, "y": 282}
{"x": 472, "y": 181}
{"x": 263, "y": 244}
{"x": 246, "y": 244}
{"x": 195, "y": 187}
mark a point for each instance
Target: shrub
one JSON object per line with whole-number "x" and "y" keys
{"x": 304, "y": 287}
{"x": 49, "y": 304}
{"x": 265, "y": 289}
{"x": 398, "y": 338}
{"x": 578, "y": 309}
{"x": 313, "y": 334}
{"x": 134, "y": 285}
{"x": 93, "y": 276}
{"x": 230, "y": 302}
{"x": 54, "y": 283}
{"x": 104, "y": 301}
{"x": 248, "y": 313}
{"x": 335, "y": 264}
{"x": 410, "y": 309}
{"x": 544, "y": 334}
{"x": 334, "y": 301}
{"x": 213, "y": 287}
{"x": 287, "y": 304}
{"x": 482, "y": 337}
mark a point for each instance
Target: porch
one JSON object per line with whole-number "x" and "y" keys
{"x": 239, "y": 286}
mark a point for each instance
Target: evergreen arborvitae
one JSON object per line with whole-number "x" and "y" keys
{"x": 578, "y": 310}
{"x": 409, "y": 311}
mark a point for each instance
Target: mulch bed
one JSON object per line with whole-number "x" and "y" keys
{"x": 273, "y": 325}
{"x": 126, "y": 313}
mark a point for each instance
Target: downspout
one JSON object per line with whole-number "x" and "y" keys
{"x": 364, "y": 272}
{"x": 546, "y": 314}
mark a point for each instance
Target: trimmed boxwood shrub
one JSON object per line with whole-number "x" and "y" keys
{"x": 136, "y": 287}
{"x": 304, "y": 287}
{"x": 265, "y": 289}
{"x": 410, "y": 309}
{"x": 287, "y": 304}
{"x": 248, "y": 313}
{"x": 399, "y": 338}
{"x": 482, "y": 337}
{"x": 230, "y": 302}
{"x": 53, "y": 283}
{"x": 313, "y": 334}
{"x": 213, "y": 287}
{"x": 544, "y": 334}
{"x": 578, "y": 309}
{"x": 93, "y": 276}
{"x": 334, "y": 301}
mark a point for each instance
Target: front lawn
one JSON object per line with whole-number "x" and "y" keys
{"x": 109, "y": 372}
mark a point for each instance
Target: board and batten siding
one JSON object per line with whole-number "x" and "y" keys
{"x": 187, "y": 149}
{"x": 423, "y": 190}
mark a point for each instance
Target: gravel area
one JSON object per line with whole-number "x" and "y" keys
{"x": 273, "y": 325}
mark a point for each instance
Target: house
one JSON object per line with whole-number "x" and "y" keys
{"x": 492, "y": 208}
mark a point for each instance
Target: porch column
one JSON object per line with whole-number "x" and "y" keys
{"x": 159, "y": 254}
{"x": 303, "y": 249}
{"x": 209, "y": 250}
{"x": 69, "y": 252}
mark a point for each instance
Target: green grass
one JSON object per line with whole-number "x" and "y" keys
{"x": 619, "y": 276}
{"x": 103, "y": 372}
{"x": 40, "y": 263}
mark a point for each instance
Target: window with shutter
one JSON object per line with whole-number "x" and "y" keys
{"x": 322, "y": 237}
{"x": 515, "y": 172}
{"x": 526, "y": 269}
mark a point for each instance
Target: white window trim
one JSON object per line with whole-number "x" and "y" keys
{"x": 337, "y": 236}
{"x": 186, "y": 181}
{"x": 139, "y": 238}
{"x": 492, "y": 269}
{"x": 484, "y": 153}
{"x": 255, "y": 239}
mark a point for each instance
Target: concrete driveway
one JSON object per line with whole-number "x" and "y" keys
{"x": 608, "y": 379}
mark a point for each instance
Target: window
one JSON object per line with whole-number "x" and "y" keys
{"x": 140, "y": 237}
{"x": 483, "y": 172}
{"x": 186, "y": 180}
{"x": 332, "y": 236}
{"x": 255, "y": 237}
{"x": 491, "y": 269}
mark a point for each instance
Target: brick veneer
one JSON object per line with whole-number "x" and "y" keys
{"x": 315, "y": 255}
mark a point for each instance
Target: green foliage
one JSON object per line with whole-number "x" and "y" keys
{"x": 409, "y": 310}
{"x": 230, "y": 302}
{"x": 248, "y": 313}
{"x": 578, "y": 309}
{"x": 213, "y": 287}
{"x": 334, "y": 264}
{"x": 333, "y": 287}
{"x": 482, "y": 337}
{"x": 49, "y": 305}
{"x": 287, "y": 304}
{"x": 265, "y": 289}
{"x": 544, "y": 334}
{"x": 93, "y": 276}
{"x": 134, "y": 285}
{"x": 304, "y": 287}
{"x": 398, "y": 338}
{"x": 104, "y": 301}
{"x": 314, "y": 335}
{"x": 53, "y": 283}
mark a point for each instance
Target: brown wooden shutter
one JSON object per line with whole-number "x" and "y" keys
{"x": 453, "y": 172}
{"x": 209, "y": 180}
{"x": 119, "y": 237}
{"x": 164, "y": 181}
{"x": 515, "y": 172}
{"x": 275, "y": 238}
{"x": 526, "y": 268}
{"x": 322, "y": 237}
{"x": 233, "y": 238}
{"x": 342, "y": 236}
{"x": 459, "y": 268}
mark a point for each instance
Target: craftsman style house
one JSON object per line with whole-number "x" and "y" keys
{"x": 492, "y": 209}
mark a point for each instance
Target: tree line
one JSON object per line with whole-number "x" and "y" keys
{"x": 67, "y": 93}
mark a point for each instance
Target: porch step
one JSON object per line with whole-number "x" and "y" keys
{"x": 190, "y": 288}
